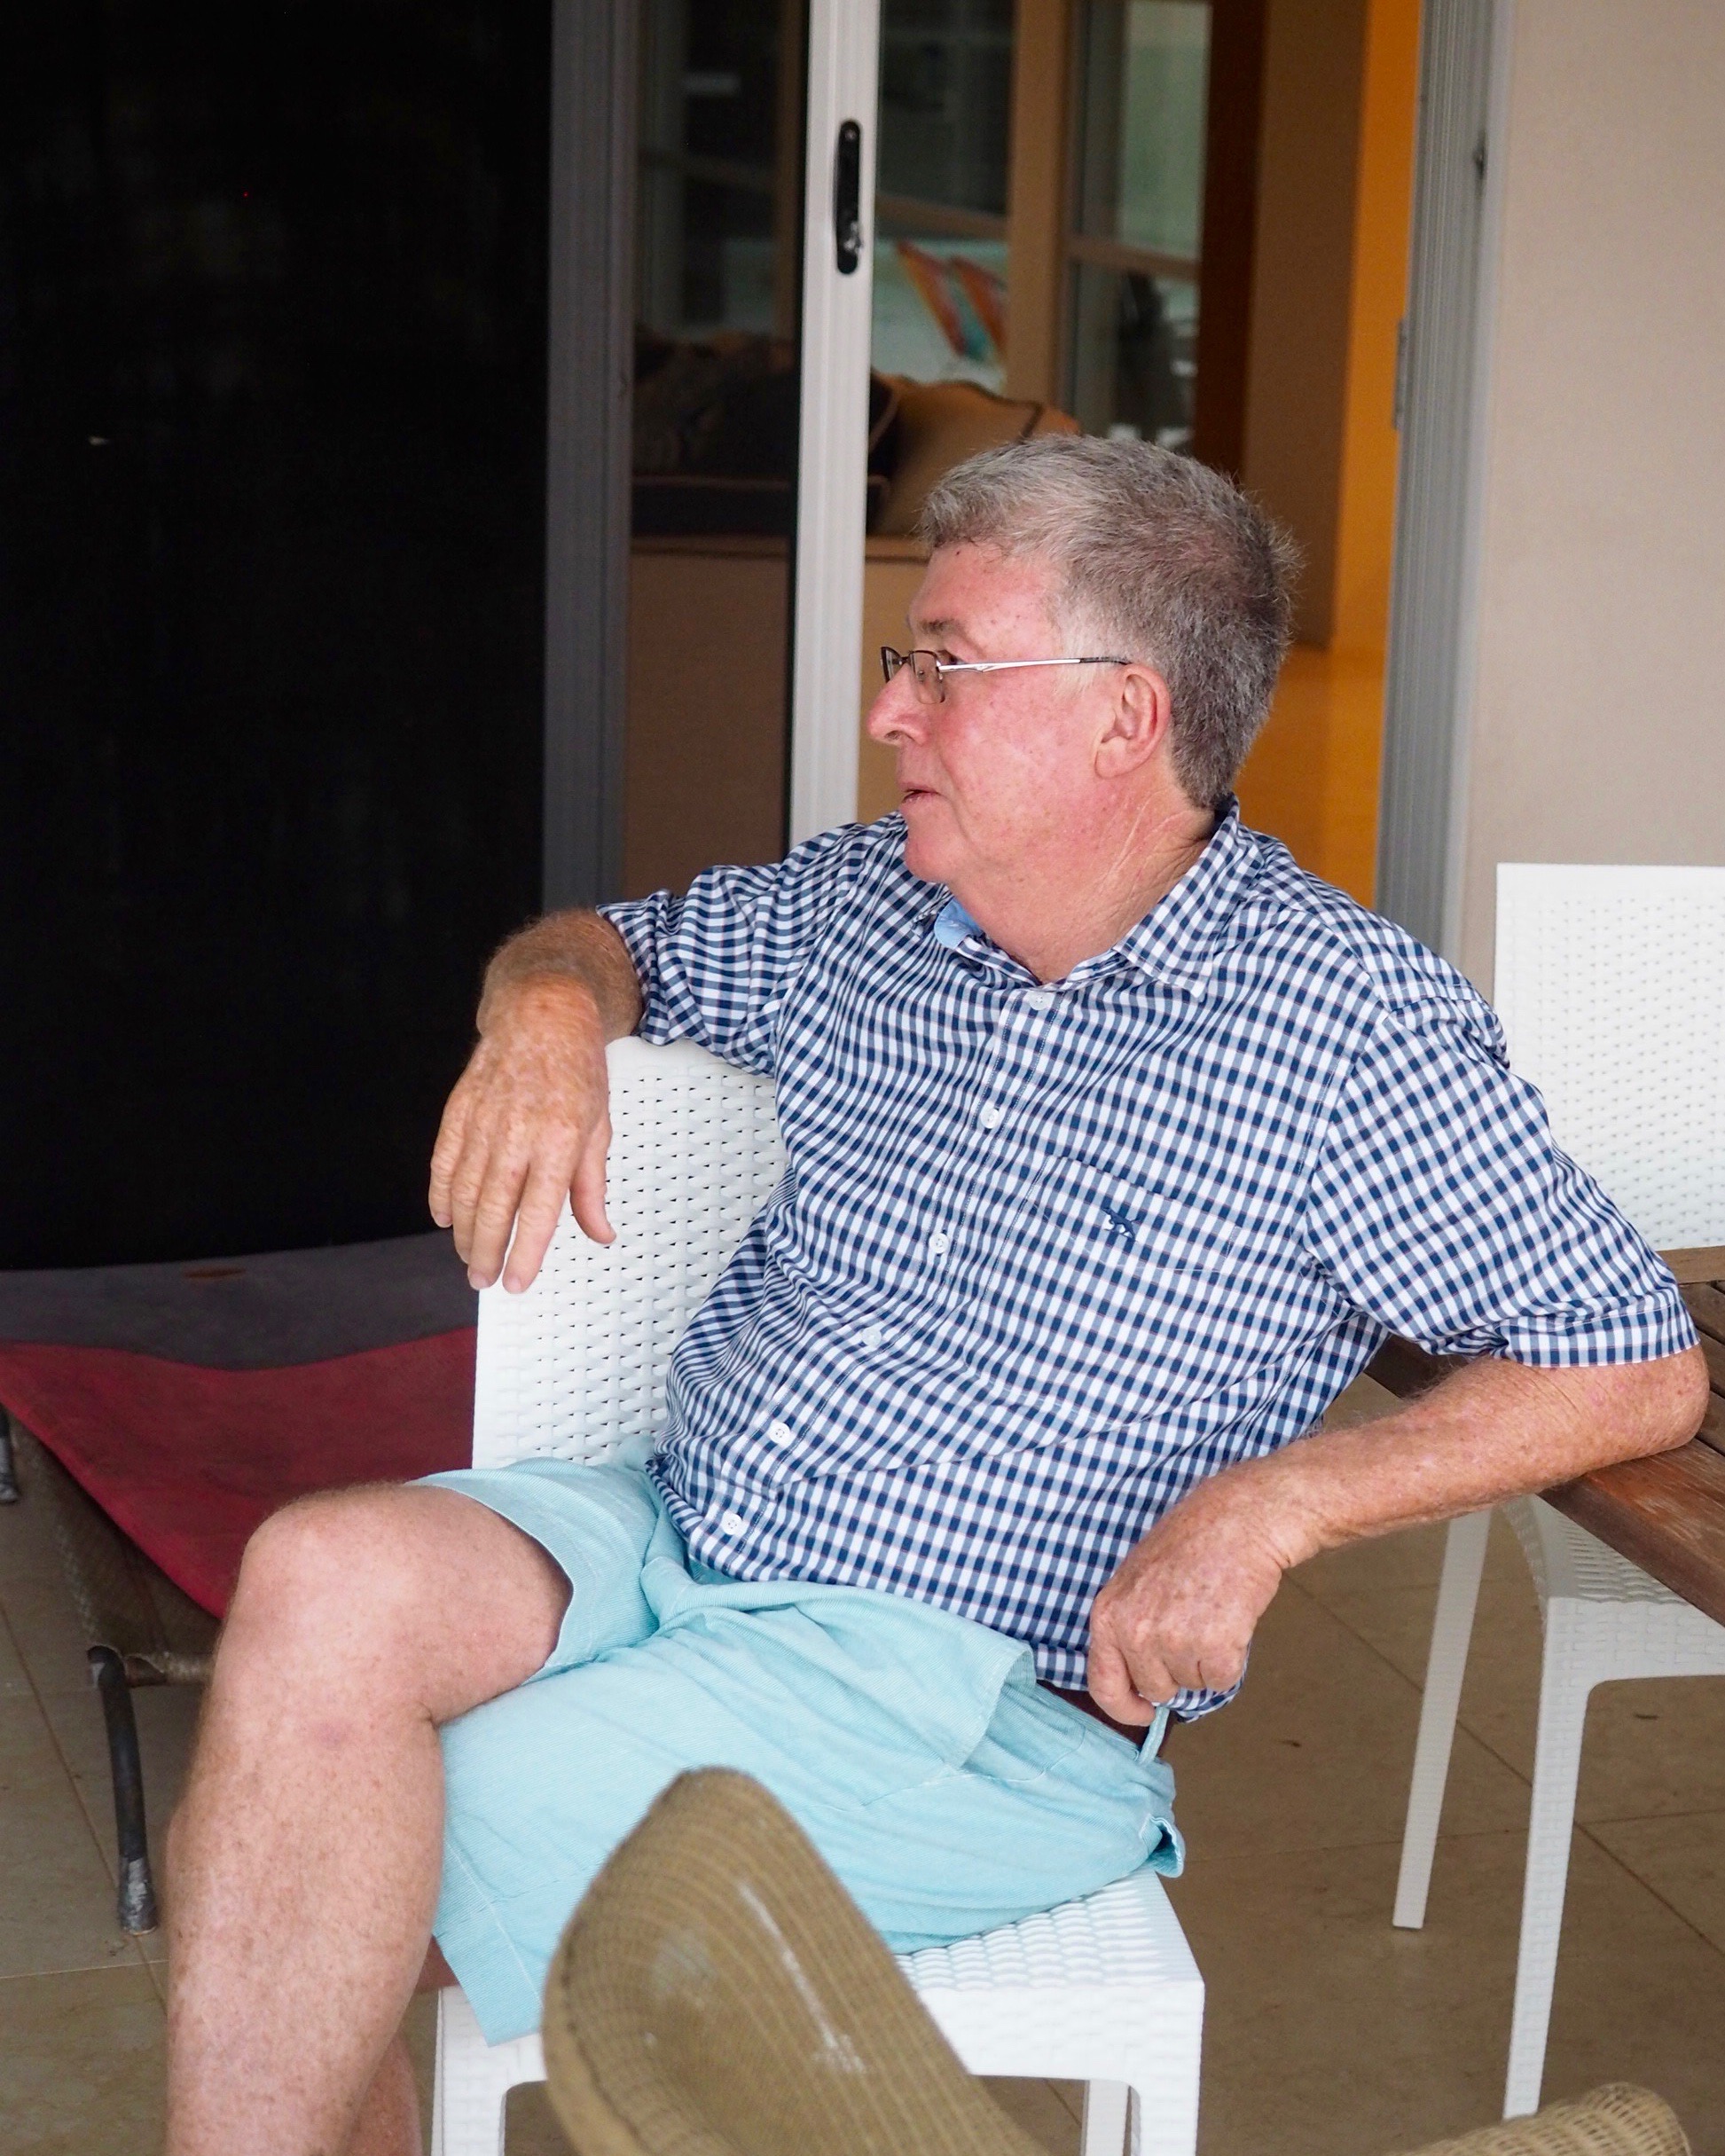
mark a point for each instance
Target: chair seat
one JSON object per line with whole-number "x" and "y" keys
{"x": 1063, "y": 1994}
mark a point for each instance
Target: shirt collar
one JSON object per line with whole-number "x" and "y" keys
{"x": 1178, "y": 939}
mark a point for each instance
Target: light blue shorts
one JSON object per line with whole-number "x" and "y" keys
{"x": 947, "y": 1790}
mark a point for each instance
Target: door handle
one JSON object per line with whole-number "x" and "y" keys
{"x": 847, "y": 197}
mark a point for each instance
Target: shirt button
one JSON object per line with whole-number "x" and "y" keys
{"x": 780, "y": 1432}
{"x": 874, "y": 1336}
{"x": 1039, "y": 998}
{"x": 990, "y": 1119}
{"x": 939, "y": 1243}
{"x": 733, "y": 1523}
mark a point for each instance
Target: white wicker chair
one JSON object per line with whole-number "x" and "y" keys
{"x": 1103, "y": 1990}
{"x": 1611, "y": 983}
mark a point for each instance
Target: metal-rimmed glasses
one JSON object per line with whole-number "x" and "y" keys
{"x": 930, "y": 670}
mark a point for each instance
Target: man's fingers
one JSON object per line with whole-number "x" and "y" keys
{"x": 587, "y": 1188}
{"x": 452, "y": 1134}
{"x": 536, "y": 1223}
{"x": 1128, "y": 1694}
{"x": 494, "y": 1217}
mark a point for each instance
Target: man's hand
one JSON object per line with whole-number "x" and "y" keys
{"x": 1183, "y": 1605}
{"x": 1185, "y": 1602}
{"x": 527, "y": 1124}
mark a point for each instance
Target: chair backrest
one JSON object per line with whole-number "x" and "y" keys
{"x": 1611, "y": 984}
{"x": 574, "y": 1368}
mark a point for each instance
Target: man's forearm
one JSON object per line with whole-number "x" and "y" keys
{"x": 1494, "y": 1430}
{"x": 578, "y": 948}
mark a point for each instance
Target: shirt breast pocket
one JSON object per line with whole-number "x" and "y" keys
{"x": 1105, "y": 1302}
{"x": 1077, "y": 1207}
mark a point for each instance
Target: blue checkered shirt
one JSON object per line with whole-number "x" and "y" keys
{"x": 1047, "y": 1256}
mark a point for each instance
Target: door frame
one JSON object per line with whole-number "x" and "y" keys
{"x": 594, "y": 91}
{"x": 1443, "y": 389}
{"x": 832, "y": 483}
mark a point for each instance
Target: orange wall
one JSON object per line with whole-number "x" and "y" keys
{"x": 1383, "y": 202}
{"x": 1313, "y": 778}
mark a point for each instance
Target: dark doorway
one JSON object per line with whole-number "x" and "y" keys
{"x": 272, "y": 426}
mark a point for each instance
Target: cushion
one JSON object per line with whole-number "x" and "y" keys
{"x": 940, "y": 424}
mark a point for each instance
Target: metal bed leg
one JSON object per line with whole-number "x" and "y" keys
{"x": 137, "y": 1897}
{"x": 8, "y": 1489}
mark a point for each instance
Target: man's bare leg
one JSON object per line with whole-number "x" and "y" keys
{"x": 305, "y": 1857}
{"x": 388, "y": 2123}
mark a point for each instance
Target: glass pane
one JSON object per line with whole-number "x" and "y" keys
{"x": 717, "y": 239}
{"x": 940, "y": 249}
{"x": 1134, "y": 354}
{"x": 945, "y": 94}
{"x": 1143, "y": 87}
{"x": 1146, "y": 65}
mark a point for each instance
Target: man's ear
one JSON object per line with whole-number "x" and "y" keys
{"x": 1140, "y": 714}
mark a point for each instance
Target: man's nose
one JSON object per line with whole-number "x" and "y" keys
{"x": 897, "y": 712}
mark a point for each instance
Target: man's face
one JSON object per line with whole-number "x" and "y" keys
{"x": 999, "y": 778}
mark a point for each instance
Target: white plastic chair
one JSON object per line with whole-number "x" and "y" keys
{"x": 1611, "y": 984}
{"x": 1102, "y": 1990}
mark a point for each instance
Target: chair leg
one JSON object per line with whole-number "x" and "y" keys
{"x": 1557, "y": 1767}
{"x": 1452, "y": 1628}
{"x": 474, "y": 2079}
{"x": 1105, "y": 2109}
{"x": 136, "y": 1897}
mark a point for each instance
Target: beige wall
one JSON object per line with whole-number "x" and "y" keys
{"x": 1596, "y": 729}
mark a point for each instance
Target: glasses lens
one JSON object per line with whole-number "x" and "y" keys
{"x": 928, "y": 674}
{"x": 924, "y": 672}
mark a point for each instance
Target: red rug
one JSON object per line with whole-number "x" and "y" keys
{"x": 188, "y": 1461}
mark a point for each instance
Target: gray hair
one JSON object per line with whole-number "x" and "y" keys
{"x": 1166, "y": 560}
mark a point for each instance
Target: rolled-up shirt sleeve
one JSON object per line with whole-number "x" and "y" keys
{"x": 714, "y": 961}
{"x": 1442, "y": 1207}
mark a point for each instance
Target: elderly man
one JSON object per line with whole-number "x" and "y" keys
{"x": 1117, "y": 1144}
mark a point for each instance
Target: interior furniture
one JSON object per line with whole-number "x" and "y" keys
{"x": 1102, "y": 1990}
{"x": 1611, "y": 984}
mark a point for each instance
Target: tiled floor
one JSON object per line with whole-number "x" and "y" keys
{"x": 1328, "y": 2034}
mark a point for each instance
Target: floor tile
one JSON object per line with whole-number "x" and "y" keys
{"x": 1411, "y": 1559}
{"x": 81, "y": 2070}
{"x": 1654, "y": 1746}
{"x": 1683, "y": 1859}
{"x": 14, "y": 1679}
{"x": 56, "y": 1892}
{"x": 1317, "y": 1750}
{"x": 1044, "y": 2110}
{"x": 26, "y": 1538}
{"x": 45, "y": 1629}
{"x": 166, "y": 1717}
{"x": 1328, "y": 2032}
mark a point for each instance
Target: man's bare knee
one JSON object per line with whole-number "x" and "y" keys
{"x": 421, "y": 1590}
